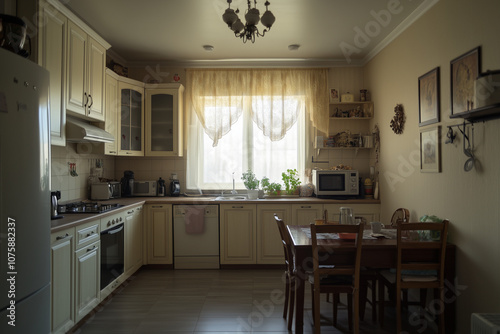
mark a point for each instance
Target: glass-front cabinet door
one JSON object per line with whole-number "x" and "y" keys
{"x": 131, "y": 125}
{"x": 164, "y": 120}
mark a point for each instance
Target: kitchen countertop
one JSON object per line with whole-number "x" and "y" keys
{"x": 75, "y": 219}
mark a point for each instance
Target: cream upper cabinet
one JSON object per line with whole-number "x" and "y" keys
{"x": 52, "y": 39}
{"x": 62, "y": 263}
{"x": 130, "y": 118}
{"x": 85, "y": 77}
{"x": 111, "y": 108}
{"x": 159, "y": 234}
{"x": 269, "y": 245}
{"x": 164, "y": 115}
{"x": 304, "y": 214}
{"x": 238, "y": 234}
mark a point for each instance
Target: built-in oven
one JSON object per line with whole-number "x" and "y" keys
{"x": 112, "y": 251}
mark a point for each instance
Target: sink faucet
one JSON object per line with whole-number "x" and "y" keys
{"x": 234, "y": 192}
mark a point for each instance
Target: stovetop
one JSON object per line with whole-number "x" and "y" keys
{"x": 87, "y": 207}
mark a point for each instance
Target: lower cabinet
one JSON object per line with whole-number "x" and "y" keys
{"x": 62, "y": 247}
{"x": 238, "y": 234}
{"x": 305, "y": 214}
{"x": 133, "y": 241}
{"x": 371, "y": 212}
{"x": 159, "y": 234}
{"x": 269, "y": 246}
{"x": 87, "y": 274}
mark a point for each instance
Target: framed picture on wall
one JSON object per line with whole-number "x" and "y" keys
{"x": 428, "y": 97}
{"x": 464, "y": 70}
{"x": 334, "y": 95}
{"x": 430, "y": 150}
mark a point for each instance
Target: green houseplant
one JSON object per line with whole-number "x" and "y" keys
{"x": 271, "y": 188}
{"x": 291, "y": 181}
{"x": 251, "y": 183}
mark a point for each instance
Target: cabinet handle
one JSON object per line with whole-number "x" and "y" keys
{"x": 128, "y": 152}
{"x": 112, "y": 151}
{"x": 89, "y": 234}
{"x": 91, "y": 249}
{"x": 157, "y": 206}
{"x": 91, "y": 101}
{"x": 237, "y": 207}
{"x": 130, "y": 212}
{"x": 86, "y": 99}
{"x": 62, "y": 237}
{"x": 305, "y": 206}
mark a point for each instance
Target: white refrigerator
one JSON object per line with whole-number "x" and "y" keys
{"x": 24, "y": 196}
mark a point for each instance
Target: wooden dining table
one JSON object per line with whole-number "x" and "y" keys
{"x": 376, "y": 253}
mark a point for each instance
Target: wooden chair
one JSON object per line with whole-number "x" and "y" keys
{"x": 419, "y": 275}
{"x": 336, "y": 270}
{"x": 289, "y": 272}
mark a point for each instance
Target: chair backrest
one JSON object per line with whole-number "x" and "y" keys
{"x": 400, "y": 215}
{"x": 285, "y": 240}
{"x": 345, "y": 256}
{"x": 431, "y": 247}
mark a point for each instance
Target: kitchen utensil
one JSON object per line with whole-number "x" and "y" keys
{"x": 13, "y": 34}
{"x": 54, "y": 197}
{"x": 469, "y": 163}
{"x": 346, "y": 216}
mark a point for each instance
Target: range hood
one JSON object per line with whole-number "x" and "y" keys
{"x": 78, "y": 131}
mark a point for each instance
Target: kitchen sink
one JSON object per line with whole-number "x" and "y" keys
{"x": 231, "y": 197}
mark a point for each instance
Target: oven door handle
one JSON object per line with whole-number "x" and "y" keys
{"x": 114, "y": 231}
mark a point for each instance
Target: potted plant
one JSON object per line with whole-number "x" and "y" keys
{"x": 291, "y": 181}
{"x": 251, "y": 183}
{"x": 275, "y": 189}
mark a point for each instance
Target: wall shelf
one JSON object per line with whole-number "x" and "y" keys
{"x": 480, "y": 114}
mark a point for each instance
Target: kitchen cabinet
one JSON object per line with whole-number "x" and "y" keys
{"x": 159, "y": 234}
{"x": 269, "y": 245}
{"x": 85, "y": 77}
{"x": 238, "y": 234}
{"x": 133, "y": 240}
{"x": 62, "y": 246}
{"x": 164, "y": 115}
{"x": 304, "y": 214}
{"x": 52, "y": 39}
{"x": 111, "y": 107}
{"x": 371, "y": 212}
{"x": 131, "y": 118}
{"x": 87, "y": 268}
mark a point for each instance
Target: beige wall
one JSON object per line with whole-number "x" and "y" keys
{"x": 469, "y": 200}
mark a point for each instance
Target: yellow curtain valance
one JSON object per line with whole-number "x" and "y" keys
{"x": 274, "y": 97}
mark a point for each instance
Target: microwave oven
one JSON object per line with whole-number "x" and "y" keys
{"x": 105, "y": 190}
{"x": 331, "y": 183}
{"x": 144, "y": 188}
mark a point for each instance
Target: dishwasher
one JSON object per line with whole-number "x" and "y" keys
{"x": 196, "y": 236}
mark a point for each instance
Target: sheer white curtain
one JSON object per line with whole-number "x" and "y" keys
{"x": 264, "y": 106}
{"x": 274, "y": 96}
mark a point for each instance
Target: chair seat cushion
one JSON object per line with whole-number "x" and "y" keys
{"x": 390, "y": 276}
{"x": 333, "y": 280}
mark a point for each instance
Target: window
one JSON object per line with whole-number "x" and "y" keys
{"x": 244, "y": 147}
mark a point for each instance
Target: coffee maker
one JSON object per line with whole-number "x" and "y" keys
{"x": 175, "y": 186}
{"x": 127, "y": 182}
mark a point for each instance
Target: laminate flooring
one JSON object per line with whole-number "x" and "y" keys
{"x": 214, "y": 301}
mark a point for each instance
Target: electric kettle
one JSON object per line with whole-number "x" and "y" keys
{"x": 54, "y": 197}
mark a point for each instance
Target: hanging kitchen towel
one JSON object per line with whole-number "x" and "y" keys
{"x": 195, "y": 220}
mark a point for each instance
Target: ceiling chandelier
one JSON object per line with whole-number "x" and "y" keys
{"x": 249, "y": 31}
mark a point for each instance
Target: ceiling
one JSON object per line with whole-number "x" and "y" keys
{"x": 174, "y": 31}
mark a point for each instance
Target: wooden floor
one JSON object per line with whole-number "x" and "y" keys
{"x": 213, "y": 301}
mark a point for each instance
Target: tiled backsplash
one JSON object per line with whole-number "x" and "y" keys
{"x": 151, "y": 169}
{"x": 75, "y": 187}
